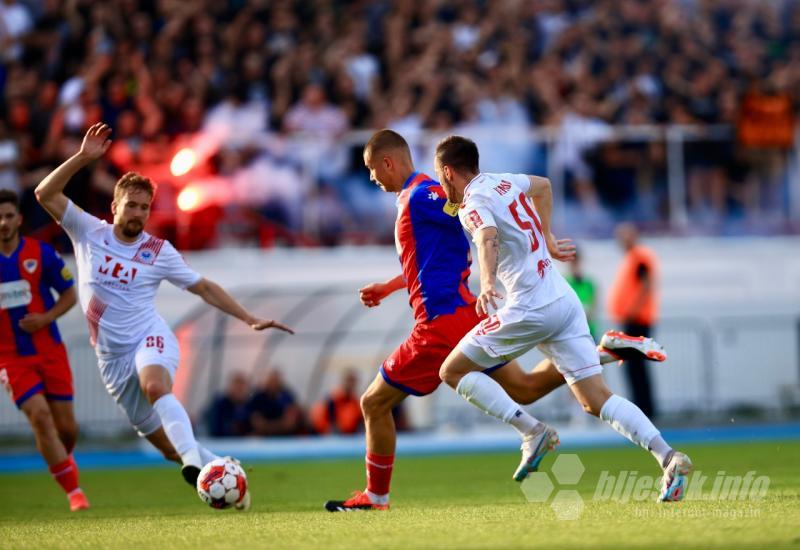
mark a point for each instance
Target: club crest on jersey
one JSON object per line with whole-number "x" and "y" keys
{"x": 30, "y": 265}
{"x": 148, "y": 251}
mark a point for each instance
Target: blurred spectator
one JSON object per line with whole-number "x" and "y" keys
{"x": 766, "y": 132}
{"x": 237, "y": 73}
{"x": 339, "y": 412}
{"x": 321, "y": 123}
{"x": 273, "y": 409}
{"x": 633, "y": 304}
{"x": 9, "y": 160}
{"x": 586, "y": 290}
{"x": 229, "y": 415}
{"x": 15, "y": 22}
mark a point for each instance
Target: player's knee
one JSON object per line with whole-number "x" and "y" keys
{"x": 449, "y": 375}
{"x": 371, "y": 404}
{"x": 154, "y": 390}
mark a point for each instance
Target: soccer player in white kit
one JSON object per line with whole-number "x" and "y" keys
{"x": 516, "y": 246}
{"x": 120, "y": 267}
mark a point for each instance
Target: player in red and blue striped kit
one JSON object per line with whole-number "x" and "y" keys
{"x": 435, "y": 260}
{"x": 33, "y": 361}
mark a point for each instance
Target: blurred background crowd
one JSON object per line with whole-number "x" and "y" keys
{"x": 679, "y": 115}
{"x": 269, "y": 408}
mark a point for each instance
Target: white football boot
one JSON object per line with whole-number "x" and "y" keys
{"x": 534, "y": 447}
{"x": 619, "y": 346}
{"x": 676, "y": 476}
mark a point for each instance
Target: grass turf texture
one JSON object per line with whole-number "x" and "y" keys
{"x": 466, "y": 501}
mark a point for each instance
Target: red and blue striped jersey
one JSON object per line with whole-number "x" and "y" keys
{"x": 26, "y": 278}
{"x": 434, "y": 252}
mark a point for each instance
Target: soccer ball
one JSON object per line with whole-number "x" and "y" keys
{"x": 221, "y": 483}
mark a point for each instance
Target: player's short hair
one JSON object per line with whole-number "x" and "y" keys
{"x": 133, "y": 181}
{"x": 7, "y": 195}
{"x": 459, "y": 153}
{"x": 386, "y": 140}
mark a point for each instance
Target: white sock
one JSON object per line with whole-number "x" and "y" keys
{"x": 378, "y": 499}
{"x": 178, "y": 428}
{"x": 490, "y": 397}
{"x": 206, "y": 456}
{"x": 661, "y": 450}
{"x": 629, "y": 420}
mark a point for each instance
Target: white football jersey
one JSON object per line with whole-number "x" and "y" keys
{"x": 524, "y": 264}
{"x": 117, "y": 282}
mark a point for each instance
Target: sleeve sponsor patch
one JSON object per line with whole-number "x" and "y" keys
{"x": 474, "y": 221}
{"x": 66, "y": 274}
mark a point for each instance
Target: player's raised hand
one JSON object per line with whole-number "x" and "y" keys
{"x": 262, "y": 324}
{"x": 563, "y": 250}
{"x": 487, "y": 298}
{"x": 96, "y": 142}
{"x": 372, "y": 294}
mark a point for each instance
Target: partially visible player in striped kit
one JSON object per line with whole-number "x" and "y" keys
{"x": 120, "y": 267}
{"x": 33, "y": 361}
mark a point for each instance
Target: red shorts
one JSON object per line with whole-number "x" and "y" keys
{"x": 414, "y": 366}
{"x": 47, "y": 372}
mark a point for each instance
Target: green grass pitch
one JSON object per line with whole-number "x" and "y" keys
{"x": 466, "y": 501}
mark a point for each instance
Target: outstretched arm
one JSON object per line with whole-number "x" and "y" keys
{"x": 50, "y": 192}
{"x": 541, "y": 193}
{"x": 488, "y": 243}
{"x": 216, "y": 296}
{"x": 371, "y": 295}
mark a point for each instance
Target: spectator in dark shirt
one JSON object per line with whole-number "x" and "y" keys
{"x": 273, "y": 409}
{"x": 228, "y": 415}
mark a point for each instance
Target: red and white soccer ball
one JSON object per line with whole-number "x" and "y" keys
{"x": 222, "y": 483}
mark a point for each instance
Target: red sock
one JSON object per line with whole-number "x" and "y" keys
{"x": 379, "y": 473}
{"x": 75, "y": 466}
{"x": 66, "y": 475}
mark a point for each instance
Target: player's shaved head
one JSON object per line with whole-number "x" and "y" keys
{"x": 386, "y": 142}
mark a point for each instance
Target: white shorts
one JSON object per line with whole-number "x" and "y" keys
{"x": 159, "y": 347}
{"x": 559, "y": 330}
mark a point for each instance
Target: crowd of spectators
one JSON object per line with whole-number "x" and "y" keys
{"x": 241, "y": 81}
{"x": 270, "y": 409}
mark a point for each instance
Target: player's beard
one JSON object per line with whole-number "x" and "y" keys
{"x": 132, "y": 228}
{"x": 9, "y": 235}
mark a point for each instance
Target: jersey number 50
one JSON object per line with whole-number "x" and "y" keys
{"x": 524, "y": 221}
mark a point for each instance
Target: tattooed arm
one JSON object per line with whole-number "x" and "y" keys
{"x": 488, "y": 243}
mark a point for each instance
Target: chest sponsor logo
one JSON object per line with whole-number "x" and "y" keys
{"x": 119, "y": 272}
{"x": 30, "y": 265}
{"x": 15, "y": 294}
